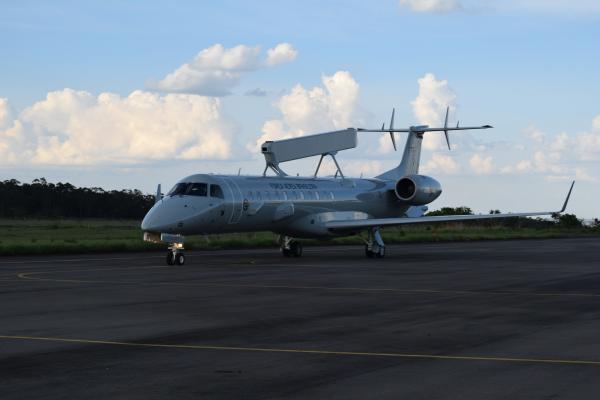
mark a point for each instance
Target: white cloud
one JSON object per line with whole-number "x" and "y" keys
{"x": 587, "y": 144}
{"x": 436, "y": 6}
{"x": 534, "y": 134}
{"x": 478, "y": 6}
{"x": 441, "y": 163}
{"x": 282, "y": 53}
{"x": 430, "y": 107}
{"x": 216, "y": 70}
{"x": 333, "y": 106}
{"x": 481, "y": 165}
{"x": 5, "y": 114}
{"x": 559, "y": 156}
{"x": 75, "y": 127}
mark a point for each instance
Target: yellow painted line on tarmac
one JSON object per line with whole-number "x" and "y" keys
{"x": 306, "y": 351}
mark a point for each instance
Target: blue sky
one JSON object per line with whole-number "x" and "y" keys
{"x": 529, "y": 68}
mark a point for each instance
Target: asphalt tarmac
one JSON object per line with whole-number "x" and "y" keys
{"x": 482, "y": 320}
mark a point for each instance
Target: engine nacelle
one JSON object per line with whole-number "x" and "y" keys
{"x": 417, "y": 190}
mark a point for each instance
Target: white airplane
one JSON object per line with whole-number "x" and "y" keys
{"x": 306, "y": 207}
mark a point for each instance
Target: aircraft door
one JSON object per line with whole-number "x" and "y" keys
{"x": 234, "y": 203}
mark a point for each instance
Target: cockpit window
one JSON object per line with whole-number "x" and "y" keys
{"x": 216, "y": 191}
{"x": 197, "y": 189}
{"x": 178, "y": 189}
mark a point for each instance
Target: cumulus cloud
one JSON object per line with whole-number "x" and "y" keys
{"x": 442, "y": 164}
{"x": 430, "y": 107}
{"x": 280, "y": 54}
{"x": 77, "y": 128}
{"x": 216, "y": 70}
{"x": 587, "y": 144}
{"x": 435, "y": 6}
{"x": 558, "y": 156}
{"x": 5, "y": 113}
{"x": 481, "y": 165}
{"x": 532, "y": 6}
{"x": 331, "y": 106}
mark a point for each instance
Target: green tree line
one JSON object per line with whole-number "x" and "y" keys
{"x": 562, "y": 220}
{"x": 41, "y": 199}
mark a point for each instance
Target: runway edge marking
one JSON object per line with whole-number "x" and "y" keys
{"x": 307, "y": 351}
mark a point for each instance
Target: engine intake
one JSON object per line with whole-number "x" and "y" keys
{"x": 417, "y": 190}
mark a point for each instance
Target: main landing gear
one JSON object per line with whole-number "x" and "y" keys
{"x": 374, "y": 246}
{"x": 290, "y": 247}
{"x": 175, "y": 254}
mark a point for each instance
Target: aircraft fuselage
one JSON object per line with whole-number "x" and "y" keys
{"x": 294, "y": 206}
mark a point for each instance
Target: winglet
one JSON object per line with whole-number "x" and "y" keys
{"x": 564, "y": 207}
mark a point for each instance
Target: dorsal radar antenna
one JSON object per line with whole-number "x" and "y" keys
{"x": 321, "y": 144}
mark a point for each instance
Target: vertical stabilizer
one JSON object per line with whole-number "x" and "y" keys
{"x": 410, "y": 158}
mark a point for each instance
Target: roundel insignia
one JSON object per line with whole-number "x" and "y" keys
{"x": 245, "y": 204}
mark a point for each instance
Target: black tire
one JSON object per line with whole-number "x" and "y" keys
{"x": 179, "y": 259}
{"x": 286, "y": 252}
{"x": 170, "y": 258}
{"x": 297, "y": 249}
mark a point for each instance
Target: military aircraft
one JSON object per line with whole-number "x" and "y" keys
{"x": 306, "y": 207}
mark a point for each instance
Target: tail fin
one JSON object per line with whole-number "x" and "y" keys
{"x": 411, "y": 158}
{"x": 412, "y": 150}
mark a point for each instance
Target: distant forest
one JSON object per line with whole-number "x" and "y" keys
{"x": 40, "y": 199}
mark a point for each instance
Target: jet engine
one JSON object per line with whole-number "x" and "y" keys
{"x": 417, "y": 190}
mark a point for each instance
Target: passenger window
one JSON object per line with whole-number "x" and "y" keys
{"x": 285, "y": 195}
{"x": 197, "y": 189}
{"x": 258, "y": 196}
{"x": 331, "y": 195}
{"x": 267, "y": 196}
{"x": 250, "y": 195}
{"x": 216, "y": 191}
{"x": 317, "y": 195}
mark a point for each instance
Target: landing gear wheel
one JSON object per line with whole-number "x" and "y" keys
{"x": 286, "y": 252}
{"x": 170, "y": 257}
{"x": 179, "y": 259}
{"x": 296, "y": 249}
{"x": 374, "y": 247}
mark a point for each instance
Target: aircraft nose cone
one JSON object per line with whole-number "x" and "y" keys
{"x": 149, "y": 223}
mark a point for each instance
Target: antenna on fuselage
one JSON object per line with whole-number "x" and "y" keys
{"x": 391, "y": 129}
{"x": 423, "y": 128}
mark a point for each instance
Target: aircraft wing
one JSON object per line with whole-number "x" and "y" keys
{"x": 378, "y": 222}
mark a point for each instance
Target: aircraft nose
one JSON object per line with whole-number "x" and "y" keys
{"x": 150, "y": 221}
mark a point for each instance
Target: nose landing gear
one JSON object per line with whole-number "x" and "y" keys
{"x": 290, "y": 247}
{"x": 175, "y": 258}
{"x": 175, "y": 255}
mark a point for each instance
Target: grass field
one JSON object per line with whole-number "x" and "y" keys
{"x": 32, "y": 236}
